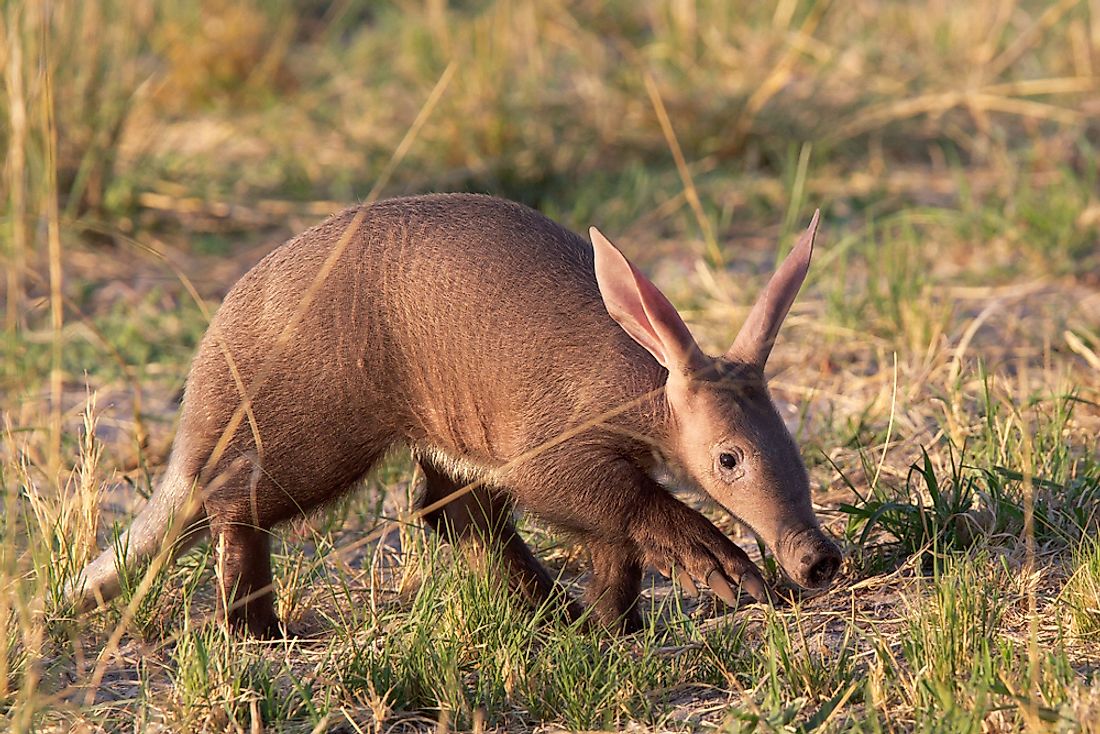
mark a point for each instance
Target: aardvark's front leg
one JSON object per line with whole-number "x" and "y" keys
{"x": 674, "y": 535}
{"x": 625, "y": 517}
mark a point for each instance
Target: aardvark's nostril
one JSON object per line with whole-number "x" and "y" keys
{"x": 823, "y": 571}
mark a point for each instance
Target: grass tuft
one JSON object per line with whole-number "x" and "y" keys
{"x": 1081, "y": 594}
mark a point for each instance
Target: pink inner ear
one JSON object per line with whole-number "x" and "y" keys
{"x": 640, "y": 308}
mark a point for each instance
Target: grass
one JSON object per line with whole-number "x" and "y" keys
{"x": 940, "y": 367}
{"x": 1082, "y": 590}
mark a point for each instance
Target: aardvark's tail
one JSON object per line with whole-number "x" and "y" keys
{"x": 173, "y": 510}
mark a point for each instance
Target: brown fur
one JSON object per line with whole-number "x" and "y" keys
{"x": 471, "y": 330}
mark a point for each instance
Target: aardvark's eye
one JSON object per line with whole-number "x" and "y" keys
{"x": 728, "y": 460}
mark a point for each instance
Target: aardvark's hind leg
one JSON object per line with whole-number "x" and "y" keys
{"x": 244, "y": 572}
{"x": 239, "y": 512}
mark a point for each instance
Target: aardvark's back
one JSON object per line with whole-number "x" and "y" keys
{"x": 466, "y": 325}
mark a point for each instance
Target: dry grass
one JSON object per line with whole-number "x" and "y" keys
{"x": 941, "y": 368}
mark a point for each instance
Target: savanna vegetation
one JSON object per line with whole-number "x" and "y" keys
{"x": 941, "y": 368}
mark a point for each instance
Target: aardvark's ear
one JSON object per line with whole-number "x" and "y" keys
{"x": 642, "y": 310}
{"x": 754, "y": 342}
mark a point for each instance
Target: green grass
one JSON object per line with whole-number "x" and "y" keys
{"x": 940, "y": 365}
{"x": 1082, "y": 590}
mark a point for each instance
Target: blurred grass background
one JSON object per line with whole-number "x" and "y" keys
{"x": 941, "y": 368}
{"x": 207, "y": 110}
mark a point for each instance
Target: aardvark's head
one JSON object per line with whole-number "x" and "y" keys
{"x": 724, "y": 429}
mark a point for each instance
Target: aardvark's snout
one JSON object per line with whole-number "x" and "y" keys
{"x": 810, "y": 558}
